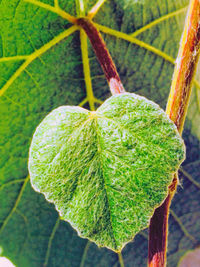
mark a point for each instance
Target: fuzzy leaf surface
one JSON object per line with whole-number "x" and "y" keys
{"x": 106, "y": 171}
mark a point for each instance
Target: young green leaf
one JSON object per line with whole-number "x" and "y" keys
{"x": 106, "y": 171}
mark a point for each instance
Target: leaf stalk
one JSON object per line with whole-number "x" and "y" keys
{"x": 103, "y": 55}
{"x": 177, "y": 106}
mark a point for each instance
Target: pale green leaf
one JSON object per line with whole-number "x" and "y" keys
{"x": 106, "y": 171}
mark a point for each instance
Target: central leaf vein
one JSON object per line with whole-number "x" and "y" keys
{"x": 137, "y": 136}
{"x": 104, "y": 183}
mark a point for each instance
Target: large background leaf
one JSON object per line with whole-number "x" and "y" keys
{"x": 31, "y": 234}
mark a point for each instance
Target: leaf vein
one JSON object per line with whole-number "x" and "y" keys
{"x": 50, "y": 241}
{"x": 94, "y": 10}
{"x": 76, "y": 128}
{"x": 15, "y": 205}
{"x": 141, "y": 44}
{"x": 184, "y": 230}
{"x": 11, "y": 182}
{"x": 85, "y": 253}
{"x": 13, "y": 58}
{"x": 86, "y": 69}
{"x": 53, "y": 9}
{"x": 105, "y": 189}
{"x": 133, "y": 133}
{"x": 159, "y": 20}
{"x": 134, "y": 40}
{"x": 189, "y": 177}
{"x": 37, "y": 54}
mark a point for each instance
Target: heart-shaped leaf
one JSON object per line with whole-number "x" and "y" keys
{"x": 106, "y": 171}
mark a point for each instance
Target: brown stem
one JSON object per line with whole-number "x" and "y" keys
{"x": 158, "y": 230}
{"x": 103, "y": 55}
{"x": 176, "y": 109}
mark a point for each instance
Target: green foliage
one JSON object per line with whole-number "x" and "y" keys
{"x": 31, "y": 233}
{"x": 106, "y": 171}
